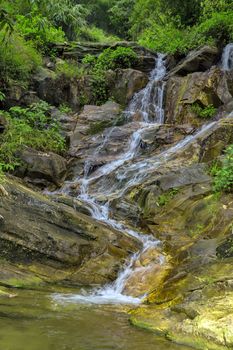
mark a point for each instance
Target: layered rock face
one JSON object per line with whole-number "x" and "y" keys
{"x": 47, "y": 241}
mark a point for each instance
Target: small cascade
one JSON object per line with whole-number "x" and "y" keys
{"x": 227, "y": 58}
{"x": 149, "y": 101}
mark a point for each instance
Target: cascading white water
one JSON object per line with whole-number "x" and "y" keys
{"x": 149, "y": 102}
{"x": 227, "y": 58}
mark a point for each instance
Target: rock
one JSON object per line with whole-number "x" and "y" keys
{"x": 146, "y": 58}
{"x": 67, "y": 121}
{"x": 194, "y": 303}
{"x": 59, "y": 89}
{"x": 41, "y": 168}
{"x": 18, "y": 95}
{"x": 93, "y": 120}
{"x": 213, "y": 87}
{"x": 124, "y": 83}
{"x": 197, "y": 61}
{"x": 52, "y": 242}
{"x": 150, "y": 271}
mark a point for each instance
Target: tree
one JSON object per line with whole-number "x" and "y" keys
{"x": 119, "y": 15}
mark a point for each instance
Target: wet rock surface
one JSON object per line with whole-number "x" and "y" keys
{"x": 124, "y": 83}
{"x": 44, "y": 241}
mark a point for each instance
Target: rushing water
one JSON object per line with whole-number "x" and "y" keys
{"x": 227, "y": 58}
{"x": 149, "y": 102}
{"x": 123, "y": 174}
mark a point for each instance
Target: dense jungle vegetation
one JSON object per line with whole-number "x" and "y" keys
{"x": 29, "y": 28}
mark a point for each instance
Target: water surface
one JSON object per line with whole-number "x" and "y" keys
{"x": 34, "y": 321}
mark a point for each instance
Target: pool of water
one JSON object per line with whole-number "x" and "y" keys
{"x": 35, "y": 321}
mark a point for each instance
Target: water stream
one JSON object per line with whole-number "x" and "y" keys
{"x": 227, "y": 58}
{"x": 116, "y": 177}
{"x": 149, "y": 102}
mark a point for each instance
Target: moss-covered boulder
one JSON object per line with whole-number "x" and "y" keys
{"x": 185, "y": 96}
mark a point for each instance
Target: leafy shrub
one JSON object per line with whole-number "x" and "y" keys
{"x": 18, "y": 59}
{"x": 37, "y": 115}
{"x": 165, "y": 38}
{"x": 121, "y": 57}
{"x": 28, "y": 127}
{"x": 204, "y": 112}
{"x": 70, "y": 69}
{"x": 171, "y": 37}
{"x": 40, "y": 31}
{"x": 2, "y": 96}
{"x": 68, "y": 15}
{"x": 89, "y": 60}
{"x": 223, "y": 176}
{"x": 94, "y": 34}
{"x": 164, "y": 198}
{"x": 218, "y": 29}
{"x": 64, "y": 108}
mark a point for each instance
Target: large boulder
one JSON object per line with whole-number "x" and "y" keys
{"x": 42, "y": 169}
{"x": 197, "y": 61}
{"x": 213, "y": 87}
{"x": 194, "y": 305}
{"x": 124, "y": 83}
{"x": 59, "y": 89}
{"x": 45, "y": 241}
{"x": 93, "y": 120}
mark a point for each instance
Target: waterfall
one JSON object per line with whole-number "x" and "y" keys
{"x": 149, "y": 101}
{"x": 125, "y": 174}
{"x": 227, "y": 58}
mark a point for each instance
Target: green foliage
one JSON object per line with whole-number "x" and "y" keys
{"x": 70, "y": 69}
{"x": 119, "y": 16}
{"x": 64, "y": 108}
{"x": 18, "y": 59}
{"x": 121, "y": 57}
{"x": 39, "y": 30}
{"x": 95, "y": 34}
{"x": 165, "y": 198}
{"x": 30, "y": 127}
{"x": 223, "y": 176}
{"x": 2, "y": 96}
{"x": 68, "y": 15}
{"x": 177, "y": 26}
{"x": 204, "y": 112}
{"x": 165, "y": 38}
{"x": 217, "y": 29}
{"x": 6, "y": 23}
{"x": 89, "y": 60}
{"x": 37, "y": 115}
